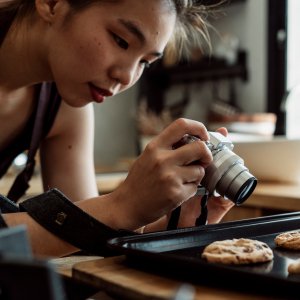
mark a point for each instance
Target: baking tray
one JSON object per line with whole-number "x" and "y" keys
{"x": 177, "y": 254}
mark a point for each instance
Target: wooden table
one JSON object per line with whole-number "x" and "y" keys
{"x": 113, "y": 276}
{"x": 268, "y": 198}
{"x": 276, "y": 195}
{"x": 273, "y": 195}
{"x": 106, "y": 183}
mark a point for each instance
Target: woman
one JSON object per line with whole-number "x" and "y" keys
{"x": 93, "y": 49}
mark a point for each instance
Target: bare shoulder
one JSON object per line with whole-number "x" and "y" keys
{"x": 238, "y": 251}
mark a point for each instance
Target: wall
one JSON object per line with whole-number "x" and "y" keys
{"x": 248, "y": 21}
{"x": 115, "y": 135}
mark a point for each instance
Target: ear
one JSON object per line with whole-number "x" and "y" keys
{"x": 47, "y": 9}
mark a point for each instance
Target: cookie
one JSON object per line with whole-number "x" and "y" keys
{"x": 294, "y": 267}
{"x": 288, "y": 240}
{"x": 238, "y": 251}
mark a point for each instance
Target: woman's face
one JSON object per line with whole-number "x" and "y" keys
{"x": 104, "y": 49}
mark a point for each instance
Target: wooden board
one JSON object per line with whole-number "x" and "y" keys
{"x": 114, "y": 276}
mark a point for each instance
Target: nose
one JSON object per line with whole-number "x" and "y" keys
{"x": 125, "y": 75}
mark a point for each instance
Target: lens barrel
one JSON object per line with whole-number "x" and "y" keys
{"x": 228, "y": 176}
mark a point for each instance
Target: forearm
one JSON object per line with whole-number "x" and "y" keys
{"x": 113, "y": 210}
{"x": 160, "y": 224}
{"x": 43, "y": 242}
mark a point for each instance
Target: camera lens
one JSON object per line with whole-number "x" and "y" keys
{"x": 245, "y": 191}
{"x": 237, "y": 184}
{"x": 228, "y": 176}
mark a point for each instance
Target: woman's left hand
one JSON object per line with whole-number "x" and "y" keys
{"x": 190, "y": 210}
{"x": 217, "y": 206}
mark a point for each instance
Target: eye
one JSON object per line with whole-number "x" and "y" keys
{"x": 121, "y": 42}
{"x": 146, "y": 63}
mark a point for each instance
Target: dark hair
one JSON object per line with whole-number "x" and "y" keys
{"x": 191, "y": 27}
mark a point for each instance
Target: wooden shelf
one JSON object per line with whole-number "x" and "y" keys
{"x": 212, "y": 2}
{"x": 203, "y": 70}
{"x": 158, "y": 79}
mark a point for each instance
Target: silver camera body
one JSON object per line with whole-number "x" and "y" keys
{"x": 226, "y": 175}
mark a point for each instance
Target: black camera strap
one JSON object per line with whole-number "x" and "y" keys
{"x": 2, "y": 221}
{"x": 202, "y": 219}
{"x": 59, "y": 215}
{"x": 174, "y": 219}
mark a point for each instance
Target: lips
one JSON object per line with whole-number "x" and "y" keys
{"x": 98, "y": 94}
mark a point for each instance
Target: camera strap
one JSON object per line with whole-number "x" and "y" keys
{"x": 2, "y": 221}
{"x": 8, "y": 206}
{"x": 174, "y": 219}
{"x": 202, "y": 219}
{"x": 59, "y": 215}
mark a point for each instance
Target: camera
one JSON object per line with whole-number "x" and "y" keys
{"x": 226, "y": 175}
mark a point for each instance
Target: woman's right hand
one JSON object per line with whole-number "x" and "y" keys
{"x": 162, "y": 178}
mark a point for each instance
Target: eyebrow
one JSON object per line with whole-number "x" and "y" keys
{"x": 135, "y": 30}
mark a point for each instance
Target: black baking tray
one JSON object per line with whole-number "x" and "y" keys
{"x": 177, "y": 254}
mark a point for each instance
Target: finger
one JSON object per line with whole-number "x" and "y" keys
{"x": 176, "y": 130}
{"x": 223, "y": 131}
{"x": 189, "y": 190}
{"x": 191, "y": 174}
{"x": 217, "y": 209}
{"x": 196, "y": 152}
{"x": 180, "y": 196}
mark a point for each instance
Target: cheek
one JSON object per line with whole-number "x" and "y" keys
{"x": 89, "y": 49}
{"x": 138, "y": 74}
{"x": 78, "y": 57}
{"x": 90, "y": 52}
